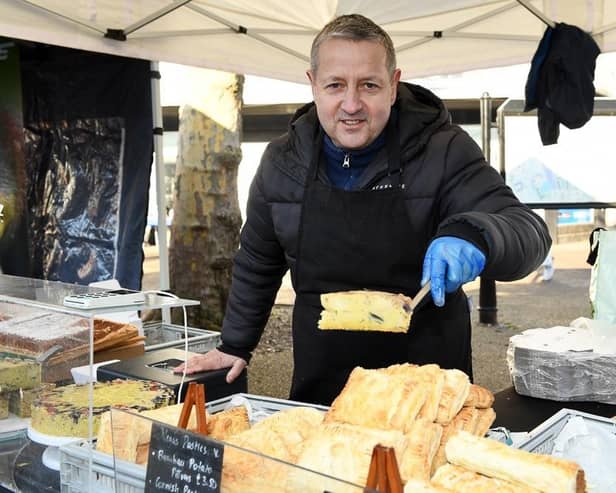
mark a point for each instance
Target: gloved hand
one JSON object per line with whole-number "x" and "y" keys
{"x": 449, "y": 263}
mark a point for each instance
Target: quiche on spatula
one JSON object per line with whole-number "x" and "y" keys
{"x": 369, "y": 310}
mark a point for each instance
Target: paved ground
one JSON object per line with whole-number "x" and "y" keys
{"x": 524, "y": 304}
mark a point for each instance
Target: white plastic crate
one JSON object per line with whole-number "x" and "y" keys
{"x": 125, "y": 477}
{"x": 160, "y": 335}
{"x": 129, "y": 477}
{"x": 541, "y": 439}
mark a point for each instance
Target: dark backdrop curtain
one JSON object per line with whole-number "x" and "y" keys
{"x": 88, "y": 148}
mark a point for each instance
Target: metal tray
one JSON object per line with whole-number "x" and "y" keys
{"x": 160, "y": 335}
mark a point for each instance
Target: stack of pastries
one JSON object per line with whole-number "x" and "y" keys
{"x": 434, "y": 419}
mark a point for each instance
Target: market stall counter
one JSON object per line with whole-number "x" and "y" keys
{"x": 520, "y": 413}
{"x": 516, "y": 412}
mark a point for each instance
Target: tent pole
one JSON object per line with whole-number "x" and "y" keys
{"x": 157, "y": 120}
{"x": 537, "y": 13}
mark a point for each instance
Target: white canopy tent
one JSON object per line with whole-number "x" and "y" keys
{"x": 272, "y": 38}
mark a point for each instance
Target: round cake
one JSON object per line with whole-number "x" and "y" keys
{"x": 63, "y": 411}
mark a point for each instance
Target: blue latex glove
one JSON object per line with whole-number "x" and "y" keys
{"x": 449, "y": 263}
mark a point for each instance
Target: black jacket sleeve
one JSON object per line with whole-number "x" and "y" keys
{"x": 258, "y": 268}
{"x": 476, "y": 205}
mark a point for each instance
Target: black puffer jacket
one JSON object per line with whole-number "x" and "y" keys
{"x": 450, "y": 191}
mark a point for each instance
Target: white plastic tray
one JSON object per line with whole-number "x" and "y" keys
{"x": 541, "y": 438}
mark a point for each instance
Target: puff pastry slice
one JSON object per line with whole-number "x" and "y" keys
{"x": 462, "y": 480}
{"x": 423, "y": 440}
{"x": 377, "y": 400}
{"x": 418, "y": 486}
{"x": 479, "y": 397}
{"x": 343, "y": 451}
{"x": 485, "y": 420}
{"x": 495, "y": 459}
{"x": 455, "y": 391}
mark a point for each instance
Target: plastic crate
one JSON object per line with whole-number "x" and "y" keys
{"x": 128, "y": 477}
{"x": 107, "y": 475}
{"x": 160, "y": 335}
{"x": 541, "y": 439}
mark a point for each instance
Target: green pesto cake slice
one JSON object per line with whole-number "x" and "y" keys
{"x": 18, "y": 373}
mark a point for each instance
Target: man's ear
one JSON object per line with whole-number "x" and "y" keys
{"x": 394, "y": 84}
{"x": 310, "y": 76}
{"x": 313, "y": 81}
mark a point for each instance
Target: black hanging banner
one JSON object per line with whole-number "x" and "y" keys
{"x": 88, "y": 147}
{"x": 183, "y": 462}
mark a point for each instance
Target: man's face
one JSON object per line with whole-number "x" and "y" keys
{"x": 352, "y": 91}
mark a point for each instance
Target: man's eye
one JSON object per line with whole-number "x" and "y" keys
{"x": 333, "y": 85}
{"x": 370, "y": 85}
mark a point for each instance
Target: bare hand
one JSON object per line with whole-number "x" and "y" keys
{"x": 213, "y": 360}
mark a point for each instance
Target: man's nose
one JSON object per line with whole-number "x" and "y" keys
{"x": 352, "y": 102}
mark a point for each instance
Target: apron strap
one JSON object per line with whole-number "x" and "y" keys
{"x": 392, "y": 141}
{"x": 316, "y": 158}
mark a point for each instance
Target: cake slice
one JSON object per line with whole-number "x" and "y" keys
{"x": 18, "y": 373}
{"x": 4, "y": 405}
{"x": 20, "y": 400}
{"x": 365, "y": 310}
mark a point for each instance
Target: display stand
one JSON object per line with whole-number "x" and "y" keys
{"x": 51, "y": 455}
{"x": 31, "y": 475}
{"x": 384, "y": 474}
{"x": 41, "y": 453}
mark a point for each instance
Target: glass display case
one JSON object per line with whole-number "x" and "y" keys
{"x": 157, "y": 456}
{"x": 41, "y": 339}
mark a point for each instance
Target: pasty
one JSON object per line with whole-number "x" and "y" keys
{"x": 377, "y": 400}
{"x": 480, "y": 397}
{"x": 462, "y": 480}
{"x": 495, "y": 459}
{"x": 455, "y": 391}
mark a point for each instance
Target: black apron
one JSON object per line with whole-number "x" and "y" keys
{"x": 363, "y": 239}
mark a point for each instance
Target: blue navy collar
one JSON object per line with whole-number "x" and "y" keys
{"x": 360, "y": 158}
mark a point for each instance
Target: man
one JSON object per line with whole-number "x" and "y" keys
{"x": 371, "y": 188}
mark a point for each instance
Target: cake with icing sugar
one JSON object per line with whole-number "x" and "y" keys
{"x": 28, "y": 330}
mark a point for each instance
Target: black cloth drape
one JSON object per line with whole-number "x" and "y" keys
{"x": 88, "y": 147}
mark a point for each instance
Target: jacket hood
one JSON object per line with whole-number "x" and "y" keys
{"x": 421, "y": 113}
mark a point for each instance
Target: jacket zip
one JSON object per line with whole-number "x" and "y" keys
{"x": 347, "y": 161}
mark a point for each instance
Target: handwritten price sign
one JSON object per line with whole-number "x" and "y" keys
{"x": 182, "y": 462}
